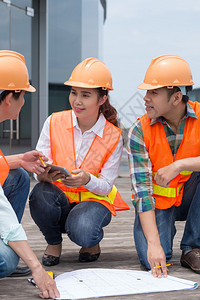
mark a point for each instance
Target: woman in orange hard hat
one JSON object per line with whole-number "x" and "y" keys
{"x": 88, "y": 143}
{"x": 15, "y": 182}
{"x": 164, "y": 155}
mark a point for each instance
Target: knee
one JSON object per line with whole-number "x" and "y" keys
{"x": 36, "y": 201}
{"x": 23, "y": 176}
{"x": 141, "y": 248}
{"x": 83, "y": 231}
{"x": 37, "y": 191}
{"x": 168, "y": 252}
{"x": 45, "y": 193}
{"x": 144, "y": 261}
{"x": 80, "y": 224}
{"x": 8, "y": 264}
{"x": 46, "y": 204}
{"x": 20, "y": 177}
{"x": 140, "y": 243}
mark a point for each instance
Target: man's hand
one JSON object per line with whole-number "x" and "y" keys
{"x": 155, "y": 253}
{"x": 156, "y": 257}
{"x": 31, "y": 162}
{"x": 81, "y": 178}
{"x": 166, "y": 174}
{"x": 46, "y": 284}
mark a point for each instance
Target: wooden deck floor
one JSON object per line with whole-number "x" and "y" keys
{"x": 118, "y": 251}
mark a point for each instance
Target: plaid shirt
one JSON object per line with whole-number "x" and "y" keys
{"x": 140, "y": 163}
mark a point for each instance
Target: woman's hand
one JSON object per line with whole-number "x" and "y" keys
{"x": 80, "y": 178}
{"x": 47, "y": 176}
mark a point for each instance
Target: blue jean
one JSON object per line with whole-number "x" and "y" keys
{"x": 8, "y": 260}
{"x": 165, "y": 219}
{"x": 16, "y": 189}
{"x": 54, "y": 215}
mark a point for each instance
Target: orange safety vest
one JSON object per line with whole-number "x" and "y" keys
{"x": 160, "y": 155}
{"x": 63, "y": 154}
{"x": 4, "y": 167}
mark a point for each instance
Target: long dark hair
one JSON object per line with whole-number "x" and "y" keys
{"x": 109, "y": 112}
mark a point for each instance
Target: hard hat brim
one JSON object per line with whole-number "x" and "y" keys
{"x": 84, "y": 85}
{"x": 146, "y": 86}
{"x": 27, "y": 89}
{"x": 30, "y": 89}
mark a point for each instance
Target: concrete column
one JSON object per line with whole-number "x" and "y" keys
{"x": 40, "y": 99}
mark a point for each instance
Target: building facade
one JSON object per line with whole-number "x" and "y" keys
{"x": 54, "y": 36}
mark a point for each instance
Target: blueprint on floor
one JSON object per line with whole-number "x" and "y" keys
{"x": 92, "y": 283}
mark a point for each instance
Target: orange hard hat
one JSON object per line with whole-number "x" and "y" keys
{"x": 167, "y": 70}
{"x": 13, "y": 72}
{"x": 91, "y": 73}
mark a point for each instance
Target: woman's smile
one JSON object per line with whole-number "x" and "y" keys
{"x": 78, "y": 109}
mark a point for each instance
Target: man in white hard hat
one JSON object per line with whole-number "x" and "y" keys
{"x": 14, "y": 180}
{"x": 164, "y": 159}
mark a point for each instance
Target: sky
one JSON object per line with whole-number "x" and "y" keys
{"x": 136, "y": 31}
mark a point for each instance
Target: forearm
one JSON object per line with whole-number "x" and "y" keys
{"x": 29, "y": 161}
{"x": 44, "y": 282}
{"x": 164, "y": 175}
{"x": 188, "y": 164}
{"x": 14, "y": 161}
{"x": 155, "y": 252}
{"x": 98, "y": 186}
{"x": 23, "y": 250}
{"x": 148, "y": 222}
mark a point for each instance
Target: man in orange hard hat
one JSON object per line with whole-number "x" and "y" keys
{"x": 15, "y": 182}
{"x": 164, "y": 159}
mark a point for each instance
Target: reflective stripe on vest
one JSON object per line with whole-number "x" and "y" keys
{"x": 63, "y": 153}
{"x": 166, "y": 192}
{"x": 182, "y": 173}
{"x": 4, "y": 167}
{"x": 83, "y": 196}
{"x": 186, "y": 172}
{"x": 113, "y": 201}
{"x": 170, "y": 191}
{"x": 161, "y": 155}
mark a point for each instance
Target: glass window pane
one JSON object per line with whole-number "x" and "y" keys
{"x": 21, "y": 34}
{"x": 64, "y": 38}
{"x": 4, "y": 25}
{"x": 22, "y": 3}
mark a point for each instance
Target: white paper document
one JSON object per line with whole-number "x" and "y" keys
{"x": 92, "y": 283}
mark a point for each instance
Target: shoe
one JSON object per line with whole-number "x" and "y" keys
{"x": 50, "y": 260}
{"x": 88, "y": 254}
{"x": 20, "y": 271}
{"x": 87, "y": 257}
{"x": 191, "y": 260}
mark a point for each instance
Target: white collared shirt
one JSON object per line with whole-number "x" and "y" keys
{"x": 103, "y": 184}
